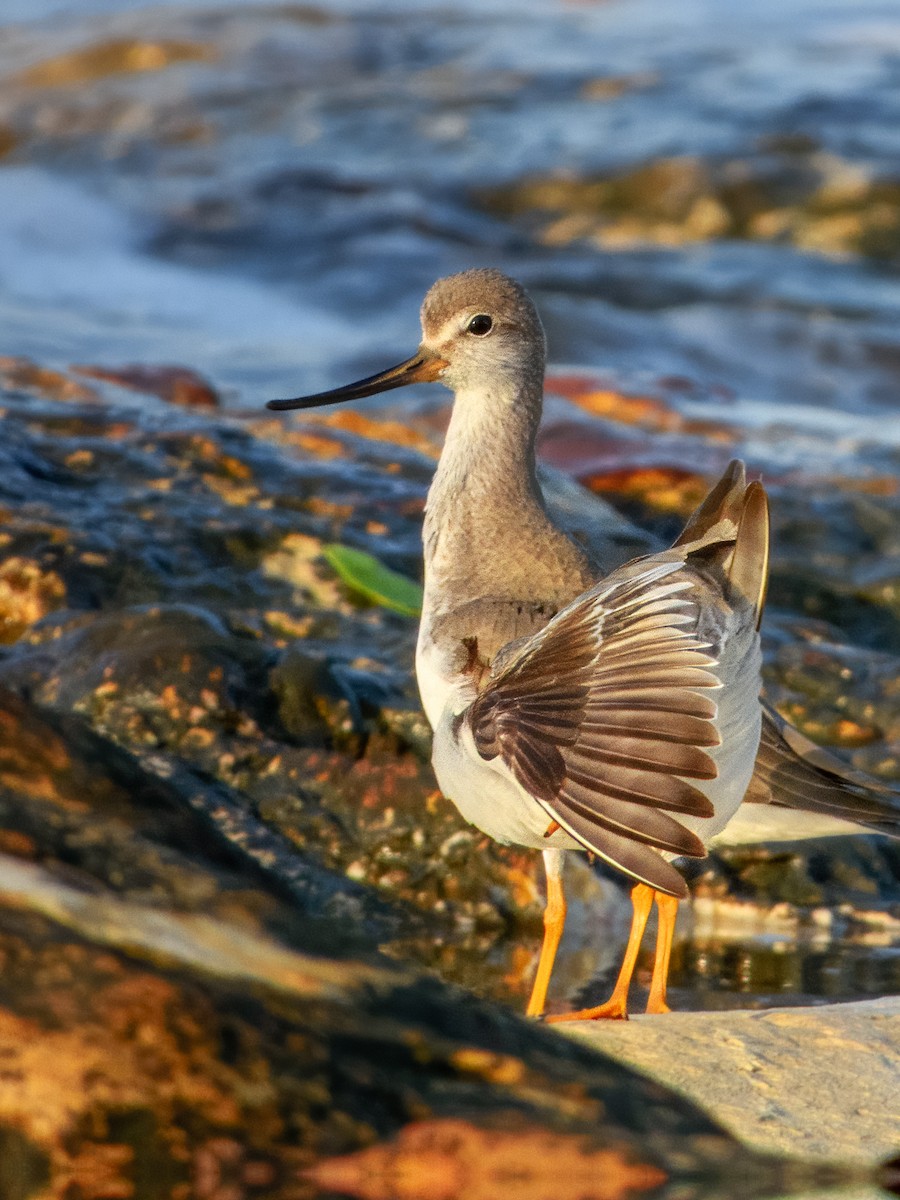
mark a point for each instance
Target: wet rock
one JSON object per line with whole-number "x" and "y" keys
{"x": 858, "y": 871}
{"x": 27, "y": 594}
{"x": 307, "y": 694}
{"x": 150, "y": 829}
{"x": 176, "y": 385}
{"x": 841, "y": 696}
{"x": 114, "y": 57}
{"x": 20, "y": 374}
{"x": 452, "y": 1158}
{"x": 647, "y": 411}
{"x": 810, "y": 199}
{"x": 342, "y": 702}
{"x": 152, "y": 676}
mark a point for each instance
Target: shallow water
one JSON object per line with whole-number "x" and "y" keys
{"x": 269, "y": 200}
{"x": 272, "y": 205}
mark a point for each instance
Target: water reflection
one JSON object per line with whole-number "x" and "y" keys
{"x": 734, "y": 968}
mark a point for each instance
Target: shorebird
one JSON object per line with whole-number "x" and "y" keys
{"x": 618, "y": 715}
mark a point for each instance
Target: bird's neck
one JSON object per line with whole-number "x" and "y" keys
{"x": 486, "y": 531}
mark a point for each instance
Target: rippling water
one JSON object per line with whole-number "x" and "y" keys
{"x": 271, "y": 205}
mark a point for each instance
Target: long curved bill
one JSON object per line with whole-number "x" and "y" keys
{"x": 421, "y": 368}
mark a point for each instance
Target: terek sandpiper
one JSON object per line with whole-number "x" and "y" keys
{"x": 622, "y": 715}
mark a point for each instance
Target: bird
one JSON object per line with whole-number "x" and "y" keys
{"x": 616, "y": 714}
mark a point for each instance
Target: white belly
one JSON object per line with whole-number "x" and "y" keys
{"x": 487, "y": 795}
{"x": 485, "y": 792}
{"x": 756, "y": 823}
{"x": 435, "y": 688}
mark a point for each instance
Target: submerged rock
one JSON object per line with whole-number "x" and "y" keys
{"x": 798, "y": 195}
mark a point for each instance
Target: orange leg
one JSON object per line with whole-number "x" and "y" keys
{"x": 667, "y": 909}
{"x": 554, "y": 920}
{"x": 616, "y": 1007}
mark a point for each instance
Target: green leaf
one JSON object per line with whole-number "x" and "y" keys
{"x": 372, "y": 579}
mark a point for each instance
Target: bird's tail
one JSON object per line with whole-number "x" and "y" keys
{"x": 793, "y": 772}
{"x": 735, "y": 518}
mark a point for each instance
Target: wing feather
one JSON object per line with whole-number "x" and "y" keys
{"x": 635, "y": 859}
{"x": 671, "y": 679}
{"x": 653, "y": 790}
{"x": 652, "y": 826}
{"x": 651, "y": 724}
{"x": 606, "y": 755}
{"x": 605, "y": 715}
{"x": 655, "y": 699}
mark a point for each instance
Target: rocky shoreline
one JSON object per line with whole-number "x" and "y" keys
{"x": 233, "y": 908}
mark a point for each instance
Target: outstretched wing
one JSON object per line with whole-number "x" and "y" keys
{"x": 606, "y": 715}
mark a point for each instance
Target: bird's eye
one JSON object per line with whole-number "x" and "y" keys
{"x": 480, "y": 325}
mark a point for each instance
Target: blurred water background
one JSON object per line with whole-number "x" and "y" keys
{"x": 266, "y": 190}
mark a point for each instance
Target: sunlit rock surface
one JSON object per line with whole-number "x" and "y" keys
{"x": 821, "y": 1083}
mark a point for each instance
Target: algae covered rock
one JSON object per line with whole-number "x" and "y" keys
{"x": 186, "y": 1009}
{"x": 794, "y": 194}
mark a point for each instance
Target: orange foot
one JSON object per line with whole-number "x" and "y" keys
{"x": 612, "y": 1010}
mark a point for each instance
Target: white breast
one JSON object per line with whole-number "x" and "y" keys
{"x": 435, "y": 685}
